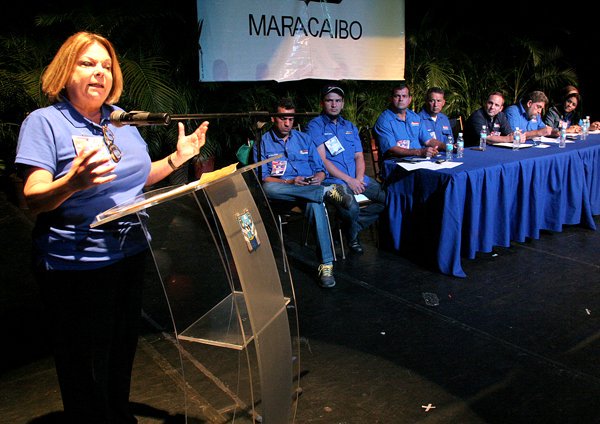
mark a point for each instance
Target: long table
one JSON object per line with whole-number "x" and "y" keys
{"x": 492, "y": 198}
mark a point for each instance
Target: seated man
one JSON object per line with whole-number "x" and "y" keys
{"x": 434, "y": 123}
{"x": 398, "y": 129}
{"x": 496, "y": 122}
{"x": 340, "y": 148}
{"x": 297, "y": 176}
{"x": 526, "y": 115}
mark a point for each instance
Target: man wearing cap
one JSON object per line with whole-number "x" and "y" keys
{"x": 297, "y": 176}
{"x": 340, "y": 148}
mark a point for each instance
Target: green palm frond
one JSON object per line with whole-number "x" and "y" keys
{"x": 147, "y": 84}
{"x": 158, "y": 54}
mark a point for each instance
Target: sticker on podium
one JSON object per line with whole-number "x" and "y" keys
{"x": 248, "y": 230}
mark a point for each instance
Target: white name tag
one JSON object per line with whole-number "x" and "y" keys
{"x": 334, "y": 146}
{"x": 84, "y": 143}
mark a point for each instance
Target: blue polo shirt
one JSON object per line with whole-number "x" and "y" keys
{"x": 439, "y": 129}
{"x": 63, "y": 238}
{"x": 322, "y": 129}
{"x": 392, "y": 131}
{"x": 517, "y": 117}
{"x": 300, "y": 156}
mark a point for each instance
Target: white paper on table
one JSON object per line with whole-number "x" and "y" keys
{"x": 553, "y": 140}
{"x": 448, "y": 165}
{"x": 510, "y": 145}
{"x": 428, "y": 164}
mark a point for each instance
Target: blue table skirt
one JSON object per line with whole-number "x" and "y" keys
{"x": 493, "y": 198}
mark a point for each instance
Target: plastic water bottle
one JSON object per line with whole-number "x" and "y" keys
{"x": 483, "y": 137}
{"x": 562, "y": 141}
{"x": 516, "y": 139}
{"x": 460, "y": 146}
{"x": 585, "y": 128}
{"x": 449, "y": 148}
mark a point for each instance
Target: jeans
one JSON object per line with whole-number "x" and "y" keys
{"x": 356, "y": 218}
{"x": 314, "y": 208}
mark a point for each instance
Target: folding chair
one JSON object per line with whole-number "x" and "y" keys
{"x": 457, "y": 125}
{"x": 287, "y": 212}
{"x": 371, "y": 151}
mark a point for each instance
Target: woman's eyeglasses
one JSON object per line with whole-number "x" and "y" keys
{"x": 109, "y": 141}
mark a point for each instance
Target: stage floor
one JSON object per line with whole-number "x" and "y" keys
{"x": 517, "y": 341}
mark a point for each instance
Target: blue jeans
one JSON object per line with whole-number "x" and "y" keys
{"x": 356, "y": 218}
{"x": 312, "y": 196}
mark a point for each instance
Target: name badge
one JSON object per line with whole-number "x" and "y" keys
{"x": 85, "y": 143}
{"x": 334, "y": 146}
{"x": 278, "y": 168}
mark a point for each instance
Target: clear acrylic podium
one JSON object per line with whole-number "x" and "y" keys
{"x": 223, "y": 295}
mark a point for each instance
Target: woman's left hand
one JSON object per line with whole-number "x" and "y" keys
{"x": 189, "y": 146}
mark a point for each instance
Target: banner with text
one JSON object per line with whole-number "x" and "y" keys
{"x": 285, "y": 40}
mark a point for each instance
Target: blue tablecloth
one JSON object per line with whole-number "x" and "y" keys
{"x": 493, "y": 198}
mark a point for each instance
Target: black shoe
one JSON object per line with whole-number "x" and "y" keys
{"x": 338, "y": 196}
{"x": 355, "y": 247}
{"x": 326, "y": 279}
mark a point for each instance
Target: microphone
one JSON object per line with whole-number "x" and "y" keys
{"x": 138, "y": 118}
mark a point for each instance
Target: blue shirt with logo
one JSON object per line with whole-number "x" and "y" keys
{"x": 300, "y": 156}
{"x": 517, "y": 117}
{"x": 391, "y": 131}
{"x": 439, "y": 128}
{"x": 322, "y": 128}
{"x": 62, "y": 237}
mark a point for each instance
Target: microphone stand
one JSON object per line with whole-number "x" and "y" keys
{"x": 259, "y": 117}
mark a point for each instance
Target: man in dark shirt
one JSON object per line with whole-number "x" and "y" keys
{"x": 490, "y": 115}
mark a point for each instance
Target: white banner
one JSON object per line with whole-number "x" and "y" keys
{"x": 284, "y": 40}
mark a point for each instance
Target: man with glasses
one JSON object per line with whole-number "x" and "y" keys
{"x": 296, "y": 176}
